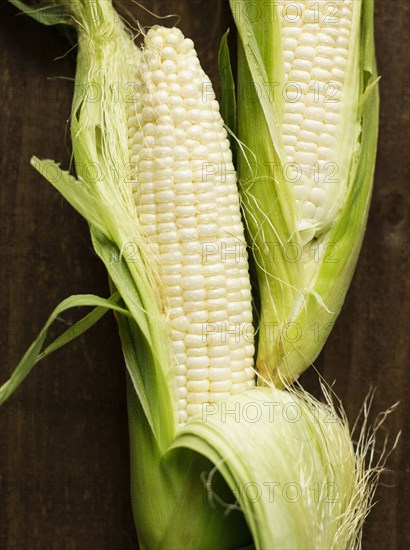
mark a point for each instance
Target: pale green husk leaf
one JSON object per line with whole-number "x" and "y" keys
{"x": 34, "y": 354}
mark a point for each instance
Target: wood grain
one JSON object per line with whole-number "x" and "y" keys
{"x": 64, "y": 445}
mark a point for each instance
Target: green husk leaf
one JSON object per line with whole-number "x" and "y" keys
{"x": 267, "y": 199}
{"x": 228, "y": 99}
{"x": 306, "y": 494}
{"x": 78, "y": 328}
{"x": 75, "y": 192}
{"x": 102, "y": 194}
{"x": 169, "y": 496}
{"x": 33, "y": 355}
{"x": 45, "y": 12}
{"x": 145, "y": 349}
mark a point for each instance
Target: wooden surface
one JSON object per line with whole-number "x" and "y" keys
{"x": 64, "y": 447}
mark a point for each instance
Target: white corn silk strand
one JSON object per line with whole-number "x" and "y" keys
{"x": 187, "y": 203}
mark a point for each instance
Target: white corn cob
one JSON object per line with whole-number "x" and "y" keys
{"x": 316, "y": 48}
{"x": 188, "y": 206}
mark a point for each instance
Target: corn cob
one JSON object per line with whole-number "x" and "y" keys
{"x": 188, "y": 207}
{"x": 310, "y": 141}
{"x": 316, "y": 56}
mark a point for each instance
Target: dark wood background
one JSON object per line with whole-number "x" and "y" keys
{"x": 64, "y": 447}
